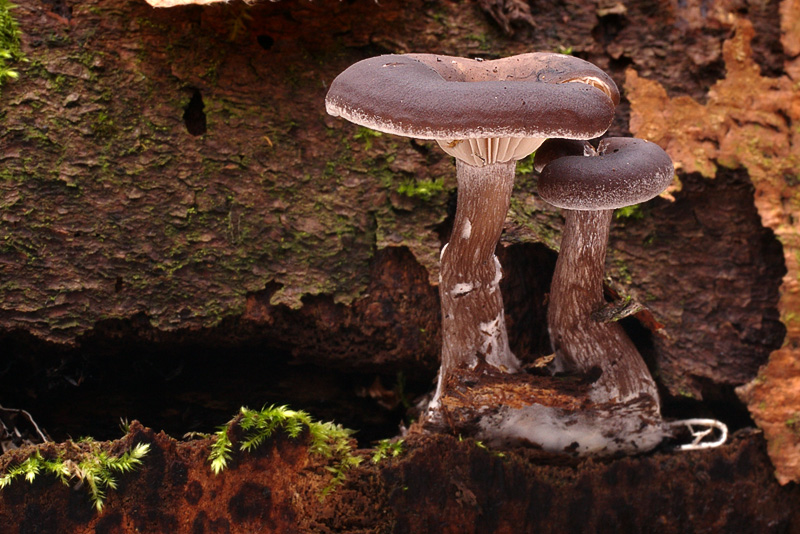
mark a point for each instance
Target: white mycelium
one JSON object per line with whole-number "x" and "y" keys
{"x": 467, "y": 230}
{"x": 461, "y": 289}
{"x": 598, "y": 432}
{"x": 495, "y": 342}
{"x": 498, "y": 275}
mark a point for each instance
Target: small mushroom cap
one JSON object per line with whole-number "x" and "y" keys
{"x": 626, "y": 171}
{"x": 558, "y": 148}
{"x": 441, "y": 97}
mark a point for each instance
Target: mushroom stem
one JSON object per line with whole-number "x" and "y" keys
{"x": 473, "y": 320}
{"x": 581, "y": 343}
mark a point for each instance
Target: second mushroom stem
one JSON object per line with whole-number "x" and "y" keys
{"x": 581, "y": 343}
{"x": 473, "y": 320}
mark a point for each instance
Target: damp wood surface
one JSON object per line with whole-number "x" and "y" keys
{"x": 437, "y": 484}
{"x": 169, "y": 178}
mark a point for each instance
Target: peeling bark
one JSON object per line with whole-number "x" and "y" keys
{"x": 749, "y": 121}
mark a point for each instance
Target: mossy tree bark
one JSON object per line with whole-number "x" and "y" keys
{"x": 113, "y": 209}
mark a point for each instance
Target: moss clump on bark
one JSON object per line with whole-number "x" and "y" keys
{"x": 9, "y": 42}
{"x": 327, "y": 439}
{"x": 93, "y": 467}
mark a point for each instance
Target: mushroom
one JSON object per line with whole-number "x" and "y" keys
{"x": 488, "y": 115}
{"x": 624, "y": 171}
{"x": 559, "y": 148}
{"x": 621, "y": 412}
{"x": 612, "y": 406}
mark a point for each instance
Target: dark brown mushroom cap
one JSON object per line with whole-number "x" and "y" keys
{"x": 555, "y": 148}
{"x": 626, "y": 171}
{"x": 440, "y": 97}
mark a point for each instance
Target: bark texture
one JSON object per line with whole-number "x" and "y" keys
{"x": 187, "y": 161}
{"x": 114, "y": 211}
{"x": 757, "y": 134}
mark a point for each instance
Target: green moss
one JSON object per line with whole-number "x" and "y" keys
{"x": 103, "y": 125}
{"x": 482, "y": 39}
{"x": 634, "y": 213}
{"x": 60, "y": 83}
{"x": 422, "y": 189}
{"x": 387, "y": 449}
{"x": 7, "y": 176}
{"x": 9, "y": 42}
{"x": 482, "y": 445}
{"x": 525, "y": 165}
{"x": 366, "y": 135}
{"x": 623, "y": 271}
{"x": 524, "y": 214}
{"x": 94, "y": 468}
{"x": 327, "y": 439}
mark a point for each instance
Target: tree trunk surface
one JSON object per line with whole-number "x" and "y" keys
{"x": 184, "y": 230}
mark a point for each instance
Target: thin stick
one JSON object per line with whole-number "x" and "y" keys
{"x": 42, "y": 435}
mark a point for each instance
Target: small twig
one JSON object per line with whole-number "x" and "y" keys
{"x": 699, "y": 429}
{"x": 614, "y": 311}
{"x": 543, "y": 361}
{"x": 42, "y": 435}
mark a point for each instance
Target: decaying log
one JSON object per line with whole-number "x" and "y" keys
{"x": 175, "y": 168}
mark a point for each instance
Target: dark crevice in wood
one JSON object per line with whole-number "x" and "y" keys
{"x": 265, "y": 41}
{"x": 194, "y": 116}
